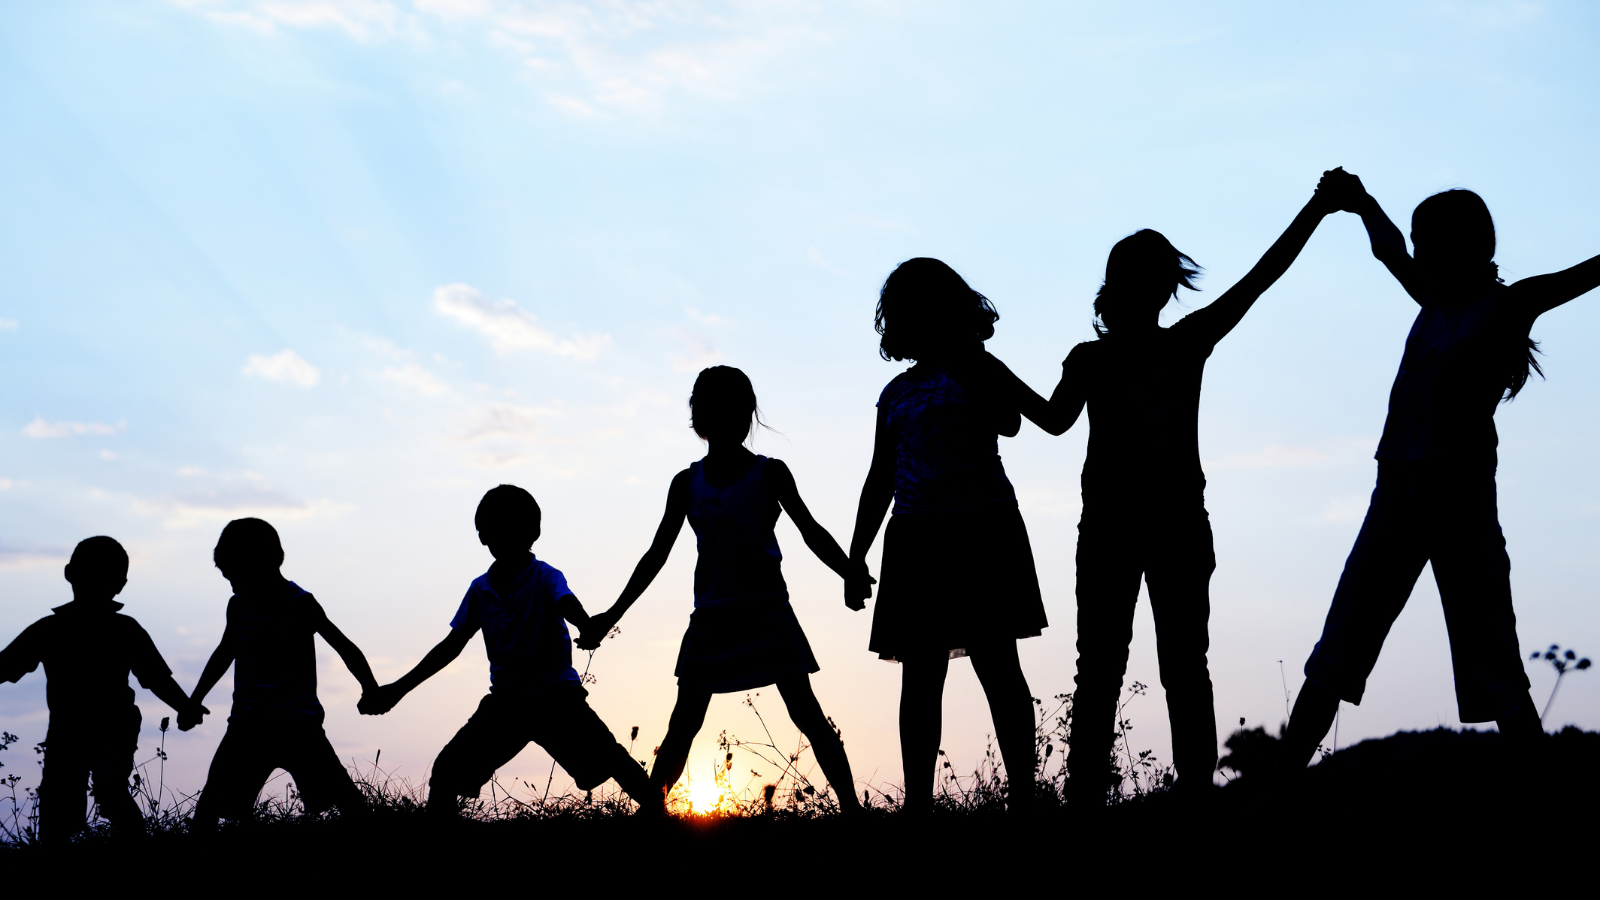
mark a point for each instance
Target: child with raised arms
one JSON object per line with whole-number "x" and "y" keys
{"x": 1144, "y": 514}
{"x": 276, "y": 723}
{"x": 88, "y": 648}
{"x": 743, "y": 633}
{"x": 1436, "y": 501}
{"x": 522, "y": 606}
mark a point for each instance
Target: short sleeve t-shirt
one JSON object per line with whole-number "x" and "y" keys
{"x": 87, "y": 653}
{"x": 1144, "y": 414}
{"x": 526, "y": 638}
{"x": 275, "y": 658}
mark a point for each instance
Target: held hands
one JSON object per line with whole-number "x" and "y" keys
{"x": 1340, "y": 191}
{"x": 595, "y": 630}
{"x": 379, "y": 700}
{"x": 190, "y": 717}
{"x": 858, "y": 587}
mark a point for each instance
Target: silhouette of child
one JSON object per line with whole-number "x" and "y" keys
{"x": 743, "y": 634}
{"x": 276, "y": 721}
{"x": 958, "y": 573}
{"x": 522, "y": 605}
{"x": 88, "y": 649}
{"x": 1435, "y": 499}
{"x": 1144, "y": 511}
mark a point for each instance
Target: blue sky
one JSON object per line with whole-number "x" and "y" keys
{"x": 346, "y": 264}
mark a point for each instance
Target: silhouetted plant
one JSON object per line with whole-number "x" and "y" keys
{"x": 1563, "y": 661}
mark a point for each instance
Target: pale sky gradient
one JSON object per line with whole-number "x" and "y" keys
{"x": 345, "y": 264}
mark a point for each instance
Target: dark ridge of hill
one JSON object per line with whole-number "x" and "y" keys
{"x": 1414, "y": 802}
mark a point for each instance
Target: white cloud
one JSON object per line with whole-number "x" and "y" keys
{"x": 40, "y": 430}
{"x": 29, "y": 559}
{"x": 589, "y": 59}
{"x": 9, "y": 324}
{"x": 508, "y": 326}
{"x": 1345, "y": 509}
{"x": 285, "y": 366}
{"x": 507, "y": 420}
{"x": 6, "y": 484}
{"x": 700, "y": 351}
{"x": 413, "y": 377}
{"x": 224, "y": 505}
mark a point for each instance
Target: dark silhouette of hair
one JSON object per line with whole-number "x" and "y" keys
{"x": 926, "y": 307}
{"x": 248, "y": 543}
{"x": 722, "y": 394}
{"x": 1457, "y": 233}
{"x": 99, "y": 558}
{"x": 506, "y": 508}
{"x": 1140, "y": 261}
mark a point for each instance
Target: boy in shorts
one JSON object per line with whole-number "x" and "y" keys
{"x": 521, "y": 605}
{"x": 88, "y": 649}
{"x": 277, "y": 720}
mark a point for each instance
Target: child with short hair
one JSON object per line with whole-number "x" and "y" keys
{"x": 88, "y": 650}
{"x": 276, "y": 721}
{"x": 521, "y": 605}
{"x": 743, "y": 633}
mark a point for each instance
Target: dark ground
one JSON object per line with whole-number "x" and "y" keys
{"x": 1435, "y": 806}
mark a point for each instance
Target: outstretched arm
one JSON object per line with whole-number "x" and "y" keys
{"x": 649, "y": 565}
{"x": 353, "y": 658}
{"x": 216, "y": 667}
{"x": 876, "y": 494}
{"x": 168, "y": 692}
{"x": 379, "y": 700}
{"x": 1542, "y": 293}
{"x": 1213, "y": 323}
{"x": 22, "y": 655}
{"x": 1020, "y": 399}
{"x": 1388, "y": 244}
{"x": 780, "y": 481}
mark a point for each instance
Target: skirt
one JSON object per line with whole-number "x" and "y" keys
{"x": 742, "y": 645}
{"x": 955, "y": 581}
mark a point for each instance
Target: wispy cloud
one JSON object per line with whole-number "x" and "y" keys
{"x": 285, "y": 366}
{"x": 28, "y": 559}
{"x": 589, "y": 59}
{"x": 226, "y": 504}
{"x": 1279, "y": 456}
{"x": 1344, "y": 509}
{"x": 9, "y": 324}
{"x": 413, "y": 377}
{"x": 506, "y": 420}
{"x": 509, "y": 327}
{"x": 40, "y": 430}
{"x": 6, "y": 484}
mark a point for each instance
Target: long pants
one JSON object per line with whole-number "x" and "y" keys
{"x": 73, "y": 752}
{"x": 249, "y": 753}
{"x": 1172, "y": 553}
{"x": 1421, "y": 513}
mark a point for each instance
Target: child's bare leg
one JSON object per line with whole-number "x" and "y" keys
{"x": 687, "y": 717}
{"x": 921, "y": 721}
{"x": 1011, "y": 708}
{"x": 807, "y": 715}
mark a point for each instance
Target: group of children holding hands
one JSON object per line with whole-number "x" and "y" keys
{"x": 958, "y": 575}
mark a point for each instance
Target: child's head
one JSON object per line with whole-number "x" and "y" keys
{"x": 925, "y": 309}
{"x": 722, "y": 405}
{"x": 98, "y": 567}
{"x": 508, "y": 521}
{"x": 1143, "y": 272}
{"x": 1452, "y": 238}
{"x": 248, "y": 551}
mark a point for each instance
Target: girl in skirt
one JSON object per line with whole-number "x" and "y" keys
{"x": 1435, "y": 500}
{"x": 958, "y": 574}
{"x": 743, "y": 634}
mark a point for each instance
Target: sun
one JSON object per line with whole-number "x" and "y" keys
{"x": 705, "y": 797}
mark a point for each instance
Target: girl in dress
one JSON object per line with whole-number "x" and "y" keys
{"x": 958, "y": 573}
{"x": 743, "y": 634}
{"x": 1435, "y": 500}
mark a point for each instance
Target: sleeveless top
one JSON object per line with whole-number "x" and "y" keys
{"x": 739, "y": 557}
{"x": 1451, "y": 379}
{"x": 947, "y": 454}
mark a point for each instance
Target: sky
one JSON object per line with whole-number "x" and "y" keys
{"x": 346, "y": 264}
